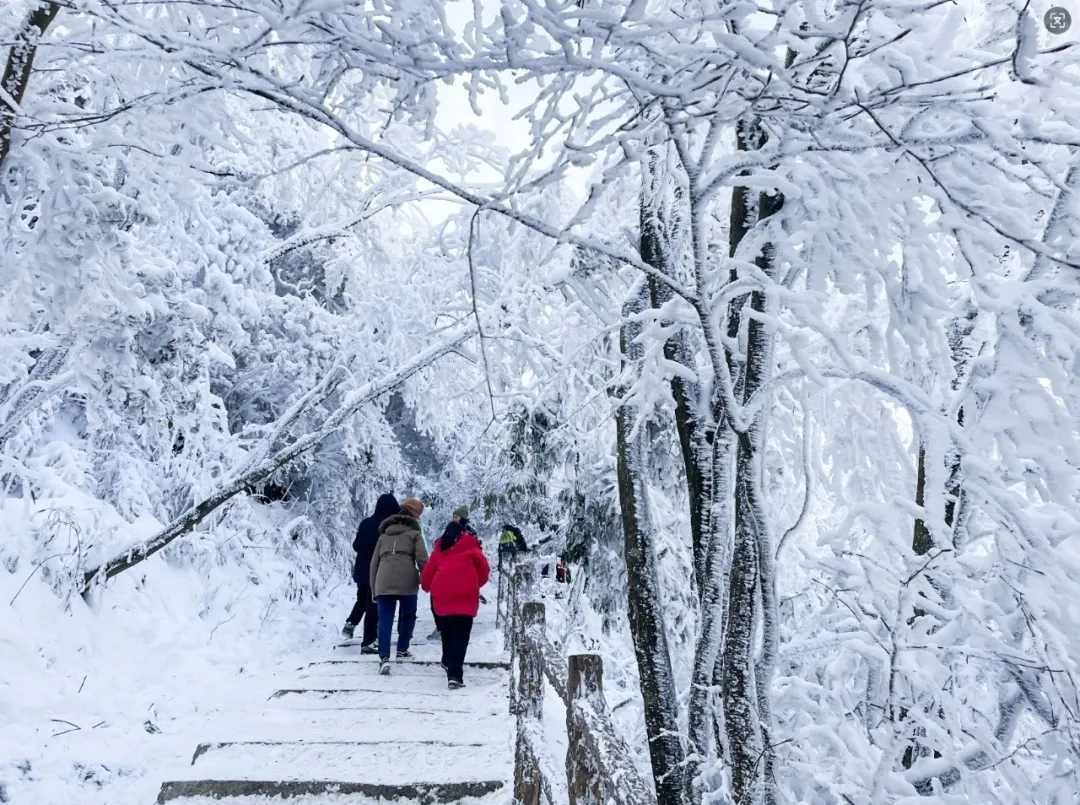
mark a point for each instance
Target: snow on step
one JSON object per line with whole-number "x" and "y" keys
{"x": 378, "y": 763}
{"x": 421, "y": 665}
{"x": 362, "y": 724}
{"x": 428, "y": 678}
{"x": 204, "y": 749}
{"x": 338, "y": 732}
{"x": 421, "y": 654}
{"x": 372, "y": 698}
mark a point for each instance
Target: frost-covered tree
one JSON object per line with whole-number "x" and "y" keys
{"x": 847, "y": 375}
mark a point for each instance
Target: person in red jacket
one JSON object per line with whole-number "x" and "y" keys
{"x": 454, "y": 574}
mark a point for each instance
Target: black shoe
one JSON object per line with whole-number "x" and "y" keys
{"x": 384, "y": 666}
{"x": 454, "y": 684}
{"x": 370, "y": 648}
{"x": 404, "y": 655}
{"x": 348, "y": 631}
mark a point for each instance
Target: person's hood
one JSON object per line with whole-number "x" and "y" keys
{"x": 401, "y": 519}
{"x": 387, "y": 506}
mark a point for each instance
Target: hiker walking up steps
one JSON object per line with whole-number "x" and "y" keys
{"x": 365, "y": 608}
{"x": 454, "y": 575}
{"x": 461, "y": 515}
{"x": 400, "y": 556}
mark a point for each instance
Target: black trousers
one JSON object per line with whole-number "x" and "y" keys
{"x": 455, "y": 631}
{"x": 368, "y": 610}
{"x": 435, "y": 615}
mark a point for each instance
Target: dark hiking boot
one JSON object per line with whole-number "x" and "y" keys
{"x": 405, "y": 655}
{"x": 370, "y": 648}
{"x": 454, "y": 684}
{"x": 384, "y": 666}
{"x": 348, "y": 631}
{"x": 431, "y": 638}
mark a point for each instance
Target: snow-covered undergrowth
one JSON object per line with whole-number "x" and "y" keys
{"x": 98, "y": 701}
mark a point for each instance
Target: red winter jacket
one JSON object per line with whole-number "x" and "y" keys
{"x": 454, "y": 577}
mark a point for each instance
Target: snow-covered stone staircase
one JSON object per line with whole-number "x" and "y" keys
{"x": 337, "y": 732}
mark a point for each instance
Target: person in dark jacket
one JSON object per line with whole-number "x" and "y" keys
{"x": 365, "y": 608}
{"x": 454, "y": 575}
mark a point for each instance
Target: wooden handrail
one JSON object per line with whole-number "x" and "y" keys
{"x": 598, "y": 767}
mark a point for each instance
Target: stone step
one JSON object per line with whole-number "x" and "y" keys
{"x": 206, "y": 748}
{"x": 375, "y": 769}
{"x": 208, "y": 792}
{"x": 429, "y": 679}
{"x": 372, "y": 698}
{"x": 366, "y": 659}
{"x": 375, "y": 722}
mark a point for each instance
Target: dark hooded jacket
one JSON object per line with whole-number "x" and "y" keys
{"x": 367, "y": 537}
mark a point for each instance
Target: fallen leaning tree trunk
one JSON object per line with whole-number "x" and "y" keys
{"x": 269, "y": 465}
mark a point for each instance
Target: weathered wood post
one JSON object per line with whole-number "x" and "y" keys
{"x": 521, "y": 589}
{"x": 585, "y": 689}
{"x": 528, "y": 702}
{"x": 503, "y": 573}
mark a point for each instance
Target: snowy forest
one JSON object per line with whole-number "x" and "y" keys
{"x": 765, "y": 314}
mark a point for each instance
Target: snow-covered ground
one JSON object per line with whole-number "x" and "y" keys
{"x": 94, "y": 705}
{"x": 101, "y": 707}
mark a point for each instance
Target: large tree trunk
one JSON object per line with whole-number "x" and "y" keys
{"x": 698, "y": 445}
{"x": 646, "y": 610}
{"x": 745, "y": 676}
{"x": 20, "y": 63}
{"x": 752, "y": 591}
{"x": 704, "y": 727}
{"x": 695, "y": 433}
{"x": 743, "y": 216}
{"x": 707, "y": 722}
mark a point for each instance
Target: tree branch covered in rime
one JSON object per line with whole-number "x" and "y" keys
{"x": 271, "y": 464}
{"x": 43, "y": 380}
{"x": 17, "y": 70}
{"x": 323, "y": 391}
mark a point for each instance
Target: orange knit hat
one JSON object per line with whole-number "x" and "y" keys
{"x": 413, "y": 506}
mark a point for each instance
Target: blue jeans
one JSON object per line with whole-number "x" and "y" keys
{"x": 406, "y": 621}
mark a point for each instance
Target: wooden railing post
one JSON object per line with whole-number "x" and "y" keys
{"x": 522, "y": 584}
{"x": 504, "y": 567}
{"x": 599, "y": 764}
{"x": 528, "y": 701}
{"x": 584, "y": 774}
{"x": 530, "y": 663}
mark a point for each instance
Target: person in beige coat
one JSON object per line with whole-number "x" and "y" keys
{"x": 399, "y": 559}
